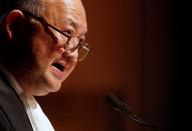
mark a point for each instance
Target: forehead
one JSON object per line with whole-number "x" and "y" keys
{"x": 65, "y": 12}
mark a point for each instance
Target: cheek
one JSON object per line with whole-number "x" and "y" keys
{"x": 70, "y": 69}
{"x": 42, "y": 50}
{"x": 73, "y": 65}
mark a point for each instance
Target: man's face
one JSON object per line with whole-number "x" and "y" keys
{"x": 51, "y": 64}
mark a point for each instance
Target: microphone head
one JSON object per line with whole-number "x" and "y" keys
{"x": 113, "y": 101}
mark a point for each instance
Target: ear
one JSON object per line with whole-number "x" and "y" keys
{"x": 11, "y": 21}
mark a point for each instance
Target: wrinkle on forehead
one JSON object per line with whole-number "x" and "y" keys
{"x": 51, "y": 10}
{"x": 74, "y": 4}
{"x": 56, "y": 8}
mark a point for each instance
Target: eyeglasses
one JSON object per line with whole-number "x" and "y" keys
{"x": 83, "y": 47}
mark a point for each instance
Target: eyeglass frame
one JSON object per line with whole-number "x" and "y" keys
{"x": 81, "y": 44}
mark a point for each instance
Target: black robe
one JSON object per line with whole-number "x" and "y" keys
{"x": 13, "y": 116}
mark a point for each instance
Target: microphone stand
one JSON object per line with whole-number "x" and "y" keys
{"x": 124, "y": 109}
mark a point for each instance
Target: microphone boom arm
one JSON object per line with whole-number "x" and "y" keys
{"x": 124, "y": 109}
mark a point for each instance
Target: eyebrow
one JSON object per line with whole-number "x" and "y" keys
{"x": 75, "y": 24}
{"x": 71, "y": 22}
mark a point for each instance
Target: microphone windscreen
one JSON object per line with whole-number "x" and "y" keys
{"x": 113, "y": 101}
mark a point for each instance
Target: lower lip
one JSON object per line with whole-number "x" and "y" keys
{"x": 57, "y": 73}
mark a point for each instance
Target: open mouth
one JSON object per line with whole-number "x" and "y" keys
{"x": 59, "y": 66}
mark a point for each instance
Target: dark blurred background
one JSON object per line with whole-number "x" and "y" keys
{"x": 135, "y": 56}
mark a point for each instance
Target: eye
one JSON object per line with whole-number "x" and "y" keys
{"x": 69, "y": 32}
{"x": 82, "y": 40}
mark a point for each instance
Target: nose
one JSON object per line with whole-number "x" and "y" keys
{"x": 68, "y": 53}
{"x": 73, "y": 55}
{"x": 67, "y": 48}
{"x": 70, "y": 56}
{"x": 72, "y": 43}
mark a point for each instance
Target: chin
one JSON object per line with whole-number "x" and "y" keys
{"x": 42, "y": 94}
{"x": 46, "y": 90}
{"x": 55, "y": 89}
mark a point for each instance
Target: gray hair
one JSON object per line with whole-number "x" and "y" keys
{"x": 33, "y": 6}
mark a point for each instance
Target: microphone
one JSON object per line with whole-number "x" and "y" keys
{"x": 125, "y": 110}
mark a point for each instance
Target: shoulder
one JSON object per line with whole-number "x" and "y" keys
{"x": 5, "y": 124}
{"x": 5, "y": 92}
{"x": 12, "y": 112}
